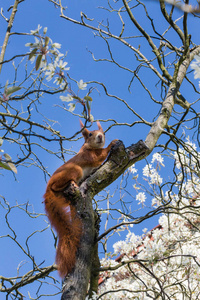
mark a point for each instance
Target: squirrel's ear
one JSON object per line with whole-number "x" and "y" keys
{"x": 99, "y": 126}
{"x": 85, "y": 131}
{"x": 81, "y": 123}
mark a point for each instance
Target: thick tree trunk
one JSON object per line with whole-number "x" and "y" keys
{"x": 75, "y": 285}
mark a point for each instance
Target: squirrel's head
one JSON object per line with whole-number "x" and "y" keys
{"x": 95, "y": 138}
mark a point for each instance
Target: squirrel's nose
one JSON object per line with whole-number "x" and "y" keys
{"x": 99, "y": 138}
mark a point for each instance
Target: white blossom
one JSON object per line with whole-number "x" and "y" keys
{"x": 36, "y": 30}
{"x": 49, "y": 71}
{"x": 157, "y": 157}
{"x": 71, "y": 107}
{"x": 147, "y": 170}
{"x": 132, "y": 169}
{"x": 141, "y": 197}
{"x": 152, "y": 174}
{"x": 81, "y": 85}
{"x": 56, "y": 45}
{"x": 119, "y": 247}
{"x": 67, "y": 98}
{"x": 56, "y": 69}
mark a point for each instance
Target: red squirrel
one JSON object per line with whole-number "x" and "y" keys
{"x": 63, "y": 215}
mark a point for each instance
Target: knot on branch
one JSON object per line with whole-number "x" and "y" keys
{"x": 117, "y": 153}
{"x": 136, "y": 150}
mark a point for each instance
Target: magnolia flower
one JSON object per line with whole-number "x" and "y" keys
{"x": 155, "y": 202}
{"x": 157, "y": 157}
{"x": 119, "y": 246}
{"x": 71, "y": 107}
{"x": 152, "y": 173}
{"x": 50, "y": 71}
{"x": 56, "y": 45}
{"x": 62, "y": 65}
{"x": 81, "y": 85}
{"x": 36, "y": 30}
{"x": 56, "y": 68}
{"x": 67, "y": 98}
{"x": 37, "y": 44}
{"x": 132, "y": 169}
{"x": 141, "y": 197}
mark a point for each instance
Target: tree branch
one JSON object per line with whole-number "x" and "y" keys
{"x": 162, "y": 121}
{"x": 10, "y": 24}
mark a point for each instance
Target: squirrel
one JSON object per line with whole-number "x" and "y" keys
{"x": 61, "y": 213}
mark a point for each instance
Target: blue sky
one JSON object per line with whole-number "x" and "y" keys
{"x": 29, "y": 184}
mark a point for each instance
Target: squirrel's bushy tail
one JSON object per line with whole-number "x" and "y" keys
{"x": 64, "y": 219}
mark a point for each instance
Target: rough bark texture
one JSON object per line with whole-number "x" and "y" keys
{"x": 75, "y": 284}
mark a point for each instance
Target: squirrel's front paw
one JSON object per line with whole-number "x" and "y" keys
{"x": 114, "y": 142}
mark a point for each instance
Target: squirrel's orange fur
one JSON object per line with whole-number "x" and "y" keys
{"x": 61, "y": 213}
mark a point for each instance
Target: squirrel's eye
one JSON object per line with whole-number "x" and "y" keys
{"x": 90, "y": 134}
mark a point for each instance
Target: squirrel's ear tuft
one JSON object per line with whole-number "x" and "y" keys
{"x": 81, "y": 123}
{"x": 85, "y": 131}
{"x": 99, "y": 126}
